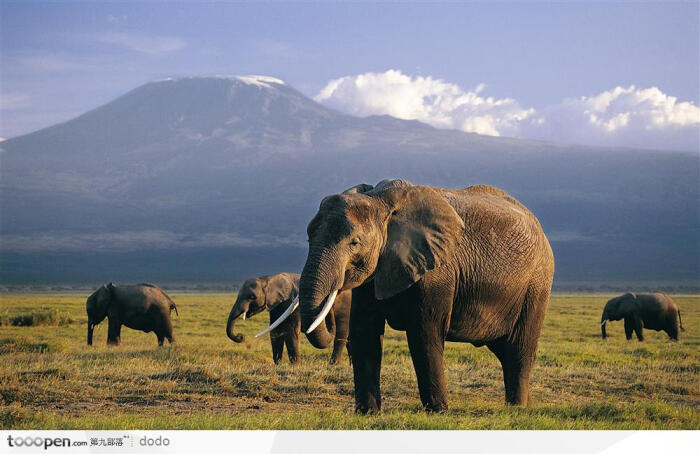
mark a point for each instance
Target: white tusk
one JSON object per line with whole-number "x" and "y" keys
{"x": 282, "y": 317}
{"x": 243, "y": 315}
{"x": 324, "y": 311}
{"x": 604, "y": 322}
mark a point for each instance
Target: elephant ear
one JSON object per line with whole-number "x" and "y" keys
{"x": 103, "y": 299}
{"x": 280, "y": 287}
{"x": 626, "y": 303}
{"x": 423, "y": 230}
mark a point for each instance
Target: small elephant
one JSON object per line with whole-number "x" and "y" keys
{"x": 277, "y": 293}
{"x": 655, "y": 311}
{"x": 143, "y": 306}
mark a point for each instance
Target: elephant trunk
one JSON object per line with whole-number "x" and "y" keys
{"x": 238, "y": 338}
{"x": 317, "y": 283}
{"x": 90, "y": 328}
{"x": 603, "y": 322}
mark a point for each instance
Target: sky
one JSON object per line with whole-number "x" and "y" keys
{"x": 598, "y": 73}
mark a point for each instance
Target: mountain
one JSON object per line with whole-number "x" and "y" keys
{"x": 214, "y": 179}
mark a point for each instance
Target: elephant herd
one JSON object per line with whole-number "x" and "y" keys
{"x": 470, "y": 265}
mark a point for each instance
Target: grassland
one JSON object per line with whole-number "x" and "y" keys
{"x": 50, "y": 378}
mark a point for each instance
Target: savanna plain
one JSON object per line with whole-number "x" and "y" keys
{"x": 50, "y": 378}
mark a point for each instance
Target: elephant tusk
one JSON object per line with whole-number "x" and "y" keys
{"x": 282, "y": 317}
{"x": 243, "y": 315}
{"x": 604, "y": 322}
{"x": 324, "y": 311}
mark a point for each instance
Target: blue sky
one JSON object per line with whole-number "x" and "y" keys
{"x": 534, "y": 60}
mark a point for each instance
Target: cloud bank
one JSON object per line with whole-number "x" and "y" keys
{"x": 433, "y": 101}
{"x": 622, "y": 116}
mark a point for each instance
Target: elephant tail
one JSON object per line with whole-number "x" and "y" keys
{"x": 680, "y": 320}
{"x": 170, "y": 300}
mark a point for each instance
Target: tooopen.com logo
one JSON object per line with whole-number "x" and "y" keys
{"x": 38, "y": 442}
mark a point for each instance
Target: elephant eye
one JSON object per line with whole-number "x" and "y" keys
{"x": 253, "y": 297}
{"x": 354, "y": 242}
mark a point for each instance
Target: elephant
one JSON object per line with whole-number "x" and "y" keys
{"x": 278, "y": 294}
{"x": 143, "y": 307}
{"x": 462, "y": 265}
{"x": 655, "y": 311}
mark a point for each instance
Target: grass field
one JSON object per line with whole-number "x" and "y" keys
{"x": 51, "y": 379}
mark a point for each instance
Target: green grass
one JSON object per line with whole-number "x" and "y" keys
{"x": 51, "y": 379}
{"x": 37, "y": 317}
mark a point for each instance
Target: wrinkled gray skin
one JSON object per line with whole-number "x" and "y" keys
{"x": 655, "y": 311}
{"x": 470, "y": 265}
{"x": 275, "y": 293}
{"x": 144, "y": 307}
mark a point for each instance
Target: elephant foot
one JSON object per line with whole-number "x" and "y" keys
{"x": 372, "y": 405}
{"x": 521, "y": 399}
{"x": 366, "y": 410}
{"x": 435, "y": 408}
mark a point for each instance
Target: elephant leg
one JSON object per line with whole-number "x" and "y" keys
{"x": 338, "y": 346}
{"x": 349, "y": 348}
{"x": 277, "y": 342}
{"x": 427, "y": 308}
{"x": 516, "y": 370}
{"x": 517, "y": 351}
{"x": 367, "y": 337}
{"x": 114, "y": 330}
{"x": 672, "y": 330}
{"x": 167, "y": 328}
{"x": 426, "y": 343}
{"x": 638, "y": 328}
{"x": 160, "y": 337}
{"x": 628, "y": 328}
{"x": 672, "y": 334}
{"x": 291, "y": 340}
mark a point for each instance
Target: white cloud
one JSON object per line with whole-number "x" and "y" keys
{"x": 433, "y": 101}
{"x": 146, "y": 44}
{"x": 631, "y": 116}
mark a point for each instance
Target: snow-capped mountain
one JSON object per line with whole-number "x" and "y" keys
{"x": 196, "y": 174}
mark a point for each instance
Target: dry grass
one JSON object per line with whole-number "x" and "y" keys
{"x": 52, "y": 379}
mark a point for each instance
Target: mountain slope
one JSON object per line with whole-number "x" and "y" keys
{"x": 230, "y": 167}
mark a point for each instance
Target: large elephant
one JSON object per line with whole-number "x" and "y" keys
{"x": 143, "y": 306}
{"x": 655, "y": 311}
{"x": 470, "y": 265}
{"x": 278, "y": 294}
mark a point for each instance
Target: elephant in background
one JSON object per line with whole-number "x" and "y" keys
{"x": 470, "y": 265}
{"x": 655, "y": 311}
{"x": 278, "y": 294}
{"x": 144, "y": 307}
